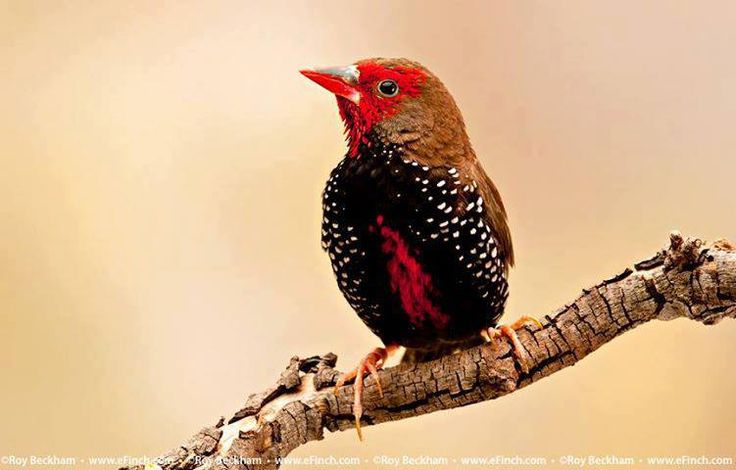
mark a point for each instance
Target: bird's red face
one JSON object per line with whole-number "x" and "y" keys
{"x": 369, "y": 93}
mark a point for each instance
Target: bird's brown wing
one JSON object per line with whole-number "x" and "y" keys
{"x": 495, "y": 212}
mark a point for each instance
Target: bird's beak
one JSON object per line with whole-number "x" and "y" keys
{"x": 341, "y": 81}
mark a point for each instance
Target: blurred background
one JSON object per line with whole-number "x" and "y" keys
{"x": 161, "y": 165}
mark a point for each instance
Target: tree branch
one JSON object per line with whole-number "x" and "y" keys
{"x": 686, "y": 280}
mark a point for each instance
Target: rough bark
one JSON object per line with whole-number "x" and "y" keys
{"x": 688, "y": 280}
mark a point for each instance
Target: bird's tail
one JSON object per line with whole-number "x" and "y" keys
{"x": 413, "y": 355}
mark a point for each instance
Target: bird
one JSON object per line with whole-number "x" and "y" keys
{"x": 415, "y": 229}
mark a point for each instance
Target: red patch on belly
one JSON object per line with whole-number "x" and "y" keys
{"x": 408, "y": 279}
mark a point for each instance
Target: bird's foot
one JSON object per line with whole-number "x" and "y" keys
{"x": 371, "y": 363}
{"x": 510, "y": 332}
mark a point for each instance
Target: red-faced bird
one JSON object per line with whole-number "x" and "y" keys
{"x": 415, "y": 229}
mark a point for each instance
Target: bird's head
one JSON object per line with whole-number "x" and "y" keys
{"x": 396, "y": 100}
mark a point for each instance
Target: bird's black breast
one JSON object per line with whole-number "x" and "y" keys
{"x": 412, "y": 249}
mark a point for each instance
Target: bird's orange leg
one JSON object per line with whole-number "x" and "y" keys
{"x": 371, "y": 363}
{"x": 510, "y": 332}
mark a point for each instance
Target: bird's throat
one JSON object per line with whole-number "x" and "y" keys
{"x": 358, "y": 123}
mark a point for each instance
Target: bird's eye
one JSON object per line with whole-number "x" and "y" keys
{"x": 388, "y": 88}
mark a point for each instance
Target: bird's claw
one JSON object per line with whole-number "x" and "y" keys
{"x": 509, "y": 331}
{"x": 371, "y": 363}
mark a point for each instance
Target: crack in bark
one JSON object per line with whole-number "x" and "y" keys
{"x": 685, "y": 280}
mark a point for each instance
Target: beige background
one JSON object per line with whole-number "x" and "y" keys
{"x": 160, "y": 176}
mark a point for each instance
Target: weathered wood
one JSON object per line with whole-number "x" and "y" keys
{"x": 687, "y": 280}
